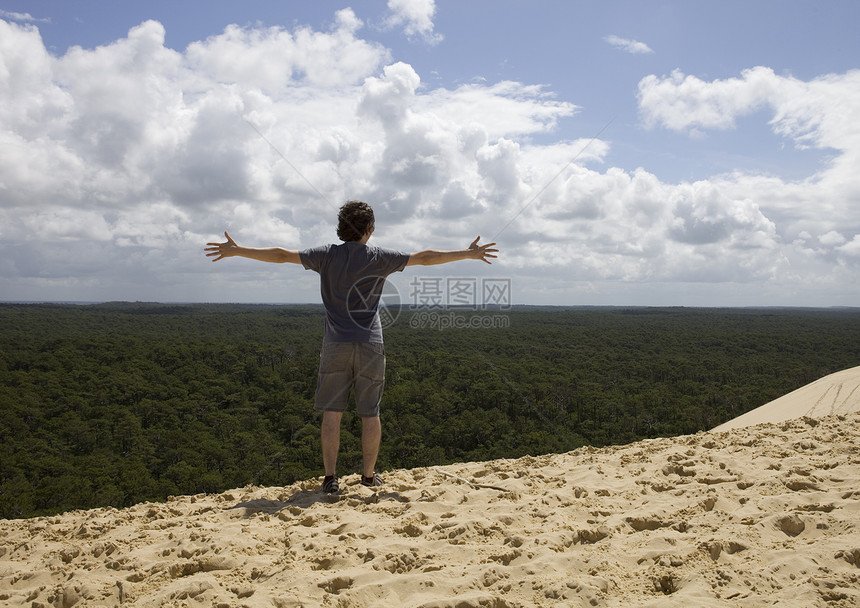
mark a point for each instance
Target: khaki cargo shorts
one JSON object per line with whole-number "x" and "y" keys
{"x": 359, "y": 366}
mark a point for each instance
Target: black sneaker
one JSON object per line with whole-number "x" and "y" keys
{"x": 371, "y": 482}
{"x": 329, "y": 484}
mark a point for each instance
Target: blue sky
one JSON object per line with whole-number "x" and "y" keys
{"x": 649, "y": 153}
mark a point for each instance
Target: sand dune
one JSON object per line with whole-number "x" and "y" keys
{"x": 757, "y": 516}
{"x": 837, "y": 393}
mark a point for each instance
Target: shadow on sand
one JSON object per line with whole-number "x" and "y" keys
{"x": 307, "y": 498}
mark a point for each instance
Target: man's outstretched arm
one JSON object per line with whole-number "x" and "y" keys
{"x": 431, "y": 257}
{"x": 229, "y": 249}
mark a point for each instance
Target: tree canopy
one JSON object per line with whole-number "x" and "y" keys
{"x": 115, "y": 404}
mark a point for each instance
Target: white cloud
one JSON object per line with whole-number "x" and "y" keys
{"x": 831, "y": 238}
{"x": 57, "y": 225}
{"x": 118, "y": 163}
{"x": 22, "y": 17}
{"x": 274, "y": 59}
{"x": 682, "y": 102}
{"x": 348, "y": 21}
{"x": 505, "y": 101}
{"x": 821, "y": 113}
{"x": 634, "y": 47}
{"x": 416, "y": 18}
{"x": 851, "y": 249}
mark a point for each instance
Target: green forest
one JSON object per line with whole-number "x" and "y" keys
{"x": 119, "y": 403}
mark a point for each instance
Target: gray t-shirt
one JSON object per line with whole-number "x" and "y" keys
{"x": 352, "y": 276}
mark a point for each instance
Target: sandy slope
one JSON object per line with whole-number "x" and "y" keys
{"x": 758, "y": 516}
{"x": 837, "y": 393}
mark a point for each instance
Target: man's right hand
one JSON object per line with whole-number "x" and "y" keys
{"x": 482, "y": 252}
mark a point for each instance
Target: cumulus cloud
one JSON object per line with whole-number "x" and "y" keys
{"x": 634, "y": 47}
{"x": 852, "y": 249}
{"x": 822, "y": 113}
{"x": 117, "y": 163}
{"x": 273, "y": 59}
{"x": 831, "y": 238}
{"x": 415, "y": 17}
{"x": 140, "y": 147}
{"x": 818, "y": 113}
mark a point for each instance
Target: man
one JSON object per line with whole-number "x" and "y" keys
{"x": 352, "y": 275}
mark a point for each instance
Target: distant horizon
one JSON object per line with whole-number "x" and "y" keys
{"x": 423, "y": 308}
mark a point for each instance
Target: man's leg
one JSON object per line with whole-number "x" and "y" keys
{"x": 333, "y": 385}
{"x": 330, "y": 439}
{"x": 369, "y": 382}
{"x": 371, "y": 436}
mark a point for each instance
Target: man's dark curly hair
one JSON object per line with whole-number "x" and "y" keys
{"x": 354, "y": 219}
